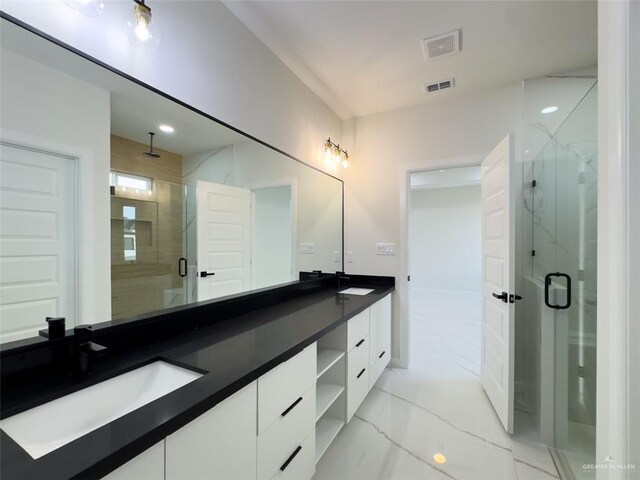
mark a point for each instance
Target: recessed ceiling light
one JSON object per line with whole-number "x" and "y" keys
{"x": 166, "y": 128}
{"x": 441, "y": 171}
{"x": 550, "y": 109}
{"x": 439, "y": 458}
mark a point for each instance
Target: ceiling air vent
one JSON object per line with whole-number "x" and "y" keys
{"x": 442, "y": 85}
{"x": 442, "y": 45}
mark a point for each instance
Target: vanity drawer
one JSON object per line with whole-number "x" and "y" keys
{"x": 378, "y": 367}
{"x": 282, "y": 437}
{"x": 357, "y": 360}
{"x": 279, "y": 388}
{"x": 356, "y": 392}
{"x": 303, "y": 465}
{"x": 357, "y": 329}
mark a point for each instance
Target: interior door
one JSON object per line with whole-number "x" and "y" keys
{"x": 498, "y": 278}
{"x": 224, "y": 240}
{"x": 37, "y": 240}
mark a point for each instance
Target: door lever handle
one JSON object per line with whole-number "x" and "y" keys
{"x": 513, "y": 297}
{"x": 503, "y": 296}
{"x": 206, "y": 274}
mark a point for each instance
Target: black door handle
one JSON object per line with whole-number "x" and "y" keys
{"x": 291, "y": 407}
{"x": 293, "y": 455}
{"x": 360, "y": 374}
{"x": 513, "y": 297}
{"x": 547, "y": 285}
{"x": 502, "y": 296}
{"x": 206, "y": 274}
{"x": 182, "y": 267}
{"x": 360, "y": 343}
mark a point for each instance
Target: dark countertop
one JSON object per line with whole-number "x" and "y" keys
{"x": 234, "y": 352}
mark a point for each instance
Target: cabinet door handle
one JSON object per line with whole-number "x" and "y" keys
{"x": 382, "y": 354}
{"x": 292, "y": 406}
{"x": 360, "y": 374}
{"x": 360, "y": 343}
{"x": 293, "y": 455}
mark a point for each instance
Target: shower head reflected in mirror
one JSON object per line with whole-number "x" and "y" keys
{"x": 151, "y": 153}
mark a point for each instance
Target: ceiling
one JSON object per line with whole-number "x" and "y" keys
{"x": 365, "y": 57}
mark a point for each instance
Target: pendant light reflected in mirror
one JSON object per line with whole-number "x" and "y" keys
{"x": 89, "y": 8}
{"x": 143, "y": 33}
{"x": 151, "y": 153}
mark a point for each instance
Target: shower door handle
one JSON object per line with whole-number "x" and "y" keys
{"x": 182, "y": 267}
{"x": 547, "y": 286}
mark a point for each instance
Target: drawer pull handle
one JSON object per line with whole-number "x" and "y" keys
{"x": 291, "y": 407}
{"x": 382, "y": 354}
{"x": 360, "y": 343}
{"x": 360, "y": 374}
{"x": 293, "y": 455}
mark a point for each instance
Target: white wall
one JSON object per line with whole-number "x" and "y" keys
{"x": 456, "y": 132}
{"x": 206, "y": 58}
{"x": 445, "y": 239}
{"x": 618, "y": 416}
{"x": 43, "y": 108}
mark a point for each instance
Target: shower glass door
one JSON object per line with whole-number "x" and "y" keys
{"x": 148, "y": 268}
{"x": 565, "y": 239}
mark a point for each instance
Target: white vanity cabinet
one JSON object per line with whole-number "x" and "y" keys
{"x": 221, "y": 443}
{"x": 149, "y": 465}
{"x": 379, "y": 338}
{"x": 279, "y": 426}
{"x": 357, "y": 361}
{"x": 287, "y": 418}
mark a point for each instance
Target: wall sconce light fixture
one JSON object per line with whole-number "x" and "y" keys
{"x": 142, "y": 34}
{"x": 333, "y": 152}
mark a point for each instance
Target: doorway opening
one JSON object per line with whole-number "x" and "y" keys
{"x": 445, "y": 264}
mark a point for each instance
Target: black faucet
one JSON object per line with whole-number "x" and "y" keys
{"x": 84, "y": 349}
{"x": 341, "y": 276}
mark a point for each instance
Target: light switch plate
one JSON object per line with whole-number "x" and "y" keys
{"x": 336, "y": 256}
{"x": 385, "y": 248}
{"x": 349, "y": 256}
{"x": 307, "y": 248}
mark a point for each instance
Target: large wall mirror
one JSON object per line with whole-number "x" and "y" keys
{"x": 115, "y": 198}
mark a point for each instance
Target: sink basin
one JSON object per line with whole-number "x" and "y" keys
{"x": 357, "y": 291}
{"x": 48, "y": 427}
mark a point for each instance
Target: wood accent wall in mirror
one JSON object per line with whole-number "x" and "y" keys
{"x": 98, "y": 226}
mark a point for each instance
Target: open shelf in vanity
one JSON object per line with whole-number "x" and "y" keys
{"x": 330, "y": 388}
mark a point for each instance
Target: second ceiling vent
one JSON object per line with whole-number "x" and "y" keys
{"x": 441, "y": 45}
{"x": 441, "y": 85}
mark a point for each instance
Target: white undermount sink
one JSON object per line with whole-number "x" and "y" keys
{"x": 48, "y": 427}
{"x": 357, "y": 291}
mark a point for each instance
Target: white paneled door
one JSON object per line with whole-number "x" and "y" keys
{"x": 37, "y": 240}
{"x": 224, "y": 240}
{"x": 498, "y": 279}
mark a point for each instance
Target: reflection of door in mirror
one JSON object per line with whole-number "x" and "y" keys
{"x": 146, "y": 229}
{"x": 37, "y": 240}
{"x": 223, "y": 239}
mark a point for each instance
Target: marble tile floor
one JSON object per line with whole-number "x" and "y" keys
{"x": 435, "y": 406}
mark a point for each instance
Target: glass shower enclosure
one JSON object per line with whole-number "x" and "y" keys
{"x": 564, "y": 231}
